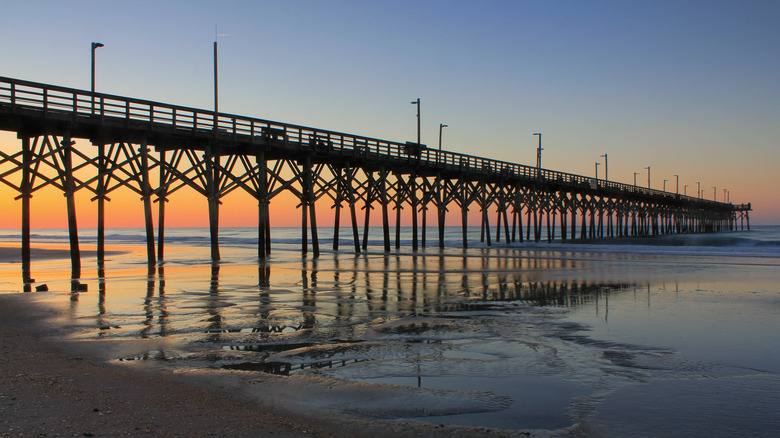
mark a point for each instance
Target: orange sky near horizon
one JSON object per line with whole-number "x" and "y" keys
{"x": 187, "y": 208}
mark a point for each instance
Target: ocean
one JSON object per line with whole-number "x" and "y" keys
{"x": 660, "y": 336}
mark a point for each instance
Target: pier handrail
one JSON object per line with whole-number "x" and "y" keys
{"x": 82, "y": 105}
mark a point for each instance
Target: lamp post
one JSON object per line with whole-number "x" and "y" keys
{"x": 665, "y": 184}
{"x": 95, "y": 46}
{"x": 417, "y": 102}
{"x": 698, "y": 188}
{"x": 216, "y": 78}
{"x": 635, "y": 174}
{"x": 677, "y": 190}
{"x": 441, "y": 127}
{"x": 597, "y": 171}
{"x": 714, "y": 194}
{"x": 216, "y": 85}
{"x": 724, "y": 195}
{"x": 686, "y": 190}
{"x": 539, "y": 151}
{"x": 648, "y": 176}
{"x": 606, "y": 168}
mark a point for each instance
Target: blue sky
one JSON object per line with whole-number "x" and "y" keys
{"x": 686, "y": 87}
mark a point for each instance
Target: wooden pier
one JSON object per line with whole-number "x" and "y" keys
{"x": 217, "y": 153}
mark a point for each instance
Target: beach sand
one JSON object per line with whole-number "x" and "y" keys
{"x": 51, "y": 387}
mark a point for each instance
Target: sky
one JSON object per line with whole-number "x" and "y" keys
{"x": 688, "y": 88}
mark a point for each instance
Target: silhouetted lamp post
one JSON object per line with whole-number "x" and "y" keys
{"x": 94, "y": 47}
{"x": 216, "y": 79}
{"x": 597, "y": 171}
{"x": 606, "y": 168}
{"x": 417, "y": 102}
{"x": 665, "y": 184}
{"x": 635, "y": 174}
{"x": 698, "y": 188}
{"x": 715, "y": 194}
{"x": 686, "y": 190}
{"x": 677, "y": 190}
{"x": 441, "y": 127}
{"x": 216, "y": 85}
{"x": 539, "y": 151}
{"x": 648, "y": 176}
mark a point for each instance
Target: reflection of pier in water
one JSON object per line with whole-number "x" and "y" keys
{"x": 336, "y": 300}
{"x": 342, "y": 295}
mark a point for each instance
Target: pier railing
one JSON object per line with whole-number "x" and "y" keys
{"x": 17, "y": 96}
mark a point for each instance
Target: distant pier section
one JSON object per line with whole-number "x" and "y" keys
{"x": 155, "y": 149}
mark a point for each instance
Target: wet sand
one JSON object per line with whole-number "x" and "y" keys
{"x": 10, "y": 254}
{"x": 50, "y": 387}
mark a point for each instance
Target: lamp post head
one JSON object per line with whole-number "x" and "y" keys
{"x": 442, "y": 125}
{"x": 96, "y": 45}
{"x": 415, "y": 102}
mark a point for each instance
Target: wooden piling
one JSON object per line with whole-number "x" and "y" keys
{"x": 70, "y": 190}
{"x": 353, "y": 213}
{"x": 146, "y": 191}
{"x": 26, "y": 194}
{"x": 101, "y": 204}
{"x": 162, "y": 198}
{"x": 370, "y": 195}
{"x": 384, "y": 201}
{"x": 212, "y": 190}
{"x": 263, "y": 239}
{"x": 337, "y": 207}
{"x": 414, "y": 201}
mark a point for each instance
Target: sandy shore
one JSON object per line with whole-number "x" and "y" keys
{"x": 54, "y": 388}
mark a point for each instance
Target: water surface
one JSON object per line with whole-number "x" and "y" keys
{"x": 670, "y": 336}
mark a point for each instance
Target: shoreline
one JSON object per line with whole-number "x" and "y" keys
{"x": 13, "y": 254}
{"x": 49, "y": 387}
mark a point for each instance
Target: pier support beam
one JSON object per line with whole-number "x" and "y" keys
{"x": 337, "y": 208}
{"x": 146, "y": 191}
{"x": 101, "y": 205}
{"x": 307, "y": 210}
{"x": 70, "y": 191}
{"x": 370, "y": 197}
{"x": 263, "y": 225}
{"x": 162, "y": 193}
{"x": 26, "y": 194}
{"x": 414, "y": 202}
{"x": 212, "y": 190}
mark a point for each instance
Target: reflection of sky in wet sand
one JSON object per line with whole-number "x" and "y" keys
{"x": 617, "y": 341}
